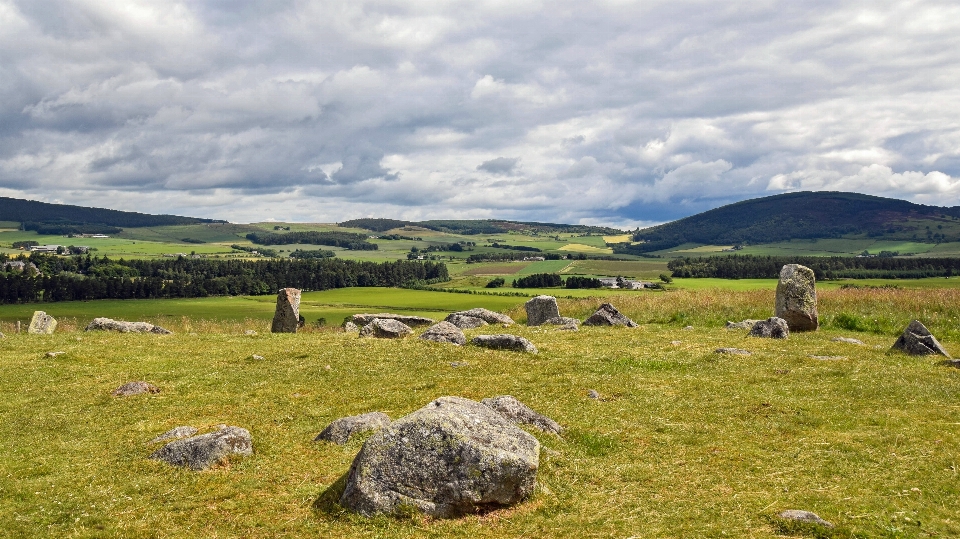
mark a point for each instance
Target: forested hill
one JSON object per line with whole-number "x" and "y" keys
{"x": 804, "y": 215}
{"x": 42, "y": 215}
{"x": 479, "y": 226}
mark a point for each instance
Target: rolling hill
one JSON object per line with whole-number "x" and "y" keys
{"x": 804, "y": 215}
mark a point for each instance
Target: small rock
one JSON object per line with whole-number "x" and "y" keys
{"x": 386, "y": 328}
{"x": 745, "y": 324}
{"x": 249, "y": 332}
{"x": 505, "y": 342}
{"x": 847, "y": 340}
{"x": 804, "y": 516}
{"x": 411, "y": 321}
{"x": 675, "y": 343}
{"x": 771, "y": 328}
{"x": 518, "y": 412}
{"x": 593, "y": 394}
{"x": 341, "y": 430}
{"x": 55, "y": 354}
{"x": 540, "y": 309}
{"x": 175, "y": 433}
{"x": 42, "y": 324}
{"x": 736, "y": 351}
{"x": 465, "y": 322}
{"x": 828, "y": 358}
{"x": 350, "y": 327}
{"x": 456, "y": 364}
{"x": 608, "y": 315}
{"x": 796, "y": 299}
{"x": 688, "y": 328}
{"x": 445, "y": 332}
{"x": 286, "y": 316}
{"x": 107, "y": 324}
{"x": 326, "y": 367}
{"x": 206, "y": 450}
{"x": 918, "y": 341}
{"x": 487, "y": 316}
{"x": 256, "y": 357}
{"x": 134, "y": 388}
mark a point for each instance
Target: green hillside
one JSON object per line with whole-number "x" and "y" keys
{"x": 805, "y": 215}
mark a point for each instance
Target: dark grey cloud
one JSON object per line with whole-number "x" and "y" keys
{"x": 623, "y": 111}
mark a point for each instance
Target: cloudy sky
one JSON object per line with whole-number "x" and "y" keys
{"x": 612, "y": 112}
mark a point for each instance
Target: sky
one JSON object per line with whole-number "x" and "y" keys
{"x": 606, "y": 112}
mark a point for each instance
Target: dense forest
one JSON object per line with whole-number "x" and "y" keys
{"x": 87, "y": 278}
{"x": 551, "y": 280}
{"x": 805, "y": 215}
{"x": 347, "y": 240}
{"x": 768, "y": 267}
{"x": 66, "y": 219}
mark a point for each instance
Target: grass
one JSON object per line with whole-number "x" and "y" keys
{"x": 683, "y": 442}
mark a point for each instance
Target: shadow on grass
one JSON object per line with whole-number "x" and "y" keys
{"x": 328, "y": 503}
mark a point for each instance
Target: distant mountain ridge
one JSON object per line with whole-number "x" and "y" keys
{"x": 478, "y": 226}
{"x": 65, "y": 218}
{"x": 802, "y": 215}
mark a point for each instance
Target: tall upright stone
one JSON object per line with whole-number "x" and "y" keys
{"x": 540, "y": 309}
{"x": 286, "y": 318}
{"x": 796, "y": 300}
{"x": 42, "y": 324}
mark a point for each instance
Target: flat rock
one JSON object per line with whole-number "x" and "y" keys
{"x": 108, "y": 324}
{"x": 411, "y": 321}
{"x": 688, "y": 328}
{"x": 341, "y": 430}
{"x": 42, "y": 324}
{"x": 743, "y": 324}
{"x": 134, "y": 388}
{"x": 518, "y": 412}
{"x": 796, "y": 299}
{"x": 917, "y": 340}
{"x": 206, "y": 450}
{"x": 505, "y": 342}
{"x": 540, "y": 309}
{"x": 452, "y": 457}
{"x": 55, "y": 354}
{"x": 771, "y": 328}
{"x": 735, "y": 351}
{"x": 804, "y": 516}
{"x": 445, "y": 332}
{"x": 286, "y": 316}
{"x": 386, "y": 329}
{"x": 608, "y": 315}
{"x": 175, "y": 433}
{"x": 566, "y": 324}
{"x": 847, "y": 340}
{"x": 463, "y": 321}
{"x": 487, "y": 316}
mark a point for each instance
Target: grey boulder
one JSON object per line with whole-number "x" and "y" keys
{"x": 771, "y": 328}
{"x": 341, "y": 430}
{"x": 505, "y": 342}
{"x": 463, "y": 321}
{"x": 206, "y": 450}
{"x": 386, "y": 329}
{"x": 411, "y": 321}
{"x": 175, "y": 433}
{"x": 804, "y": 516}
{"x": 487, "y": 316}
{"x": 286, "y": 316}
{"x": 796, "y": 299}
{"x": 452, "y": 457}
{"x": 445, "y": 332}
{"x": 134, "y": 388}
{"x": 42, "y": 324}
{"x": 518, "y": 412}
{"x": 540, "y": 309}
{"x": 350, "y": 327}
{"x": 108, "y": 324}
{"x": 744, "y": 324}
{"x": 918, "y": 341}
{"x": 608, "y": 315}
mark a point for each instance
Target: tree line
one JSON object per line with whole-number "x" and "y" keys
{"x": 835, "y": 267}
{"x": 347, "y": 240}
{"x": 89, "y": 278}
{"x": 552, "y": 280}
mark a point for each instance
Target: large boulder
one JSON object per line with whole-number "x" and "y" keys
{"x": 608, "y": 315}
{"x": 771, "y": 328}
{"x": 108, "y": 324}
{"x": 386, "y": 329}
{"x": 518, "y": 412}
{"x": 206, "y": 450}
{"x": 42, "y": 324}
{"x": 487, "y": 316}
{"x": 796, "y": 300}
{"x": 445, "y": 332}
{"x": 465, "y": 322}
{"x": 452, "y": 457}
{"x": 341, "y": 430}
{"x": 412, "y": 321}
{"x": 540, "y": 309}
{"x": 917, "y": 340}
{"x": 505, "y": 342}
{"x": 286, "y": 317}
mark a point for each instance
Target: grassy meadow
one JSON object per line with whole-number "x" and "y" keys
{"x": 683, "y": 442}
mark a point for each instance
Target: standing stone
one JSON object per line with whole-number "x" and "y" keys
{"x": 445, "y": 332}
{"x": 771, "y": 328}
{"x": 918, "y": 341}
{"x": 452, "y": 457}
{"x": 796, "y": 300}
{"x": 540, "y": 309}
{"x": 42, "y": 324}
{"x": 608, "y": 315}
{"x": 286, "y": 318}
